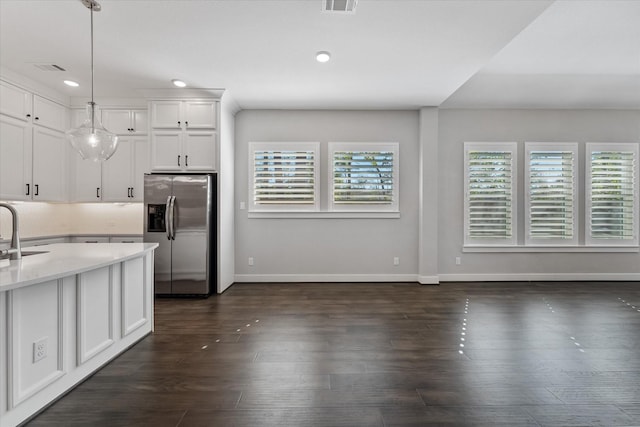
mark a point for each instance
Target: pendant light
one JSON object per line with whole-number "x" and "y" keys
{"x": 91, "y": 139}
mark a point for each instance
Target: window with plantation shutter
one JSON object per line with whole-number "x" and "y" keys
{"x": 551, "y": 202}
{"x": 490, "y": 193}
{"x": 283, "y": 176}
{"x": 612, "y": 194}
{"x": 363, "y": 176}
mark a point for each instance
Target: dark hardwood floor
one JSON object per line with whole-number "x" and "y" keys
{"x": 513, "y": 354}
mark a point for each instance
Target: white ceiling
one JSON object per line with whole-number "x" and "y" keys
{"x": 389, "y": 54}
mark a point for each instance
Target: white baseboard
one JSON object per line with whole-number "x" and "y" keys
{"x": 283, "y": 278}
{"x": 540, "y": 277}
{"x": 434, "y": 280}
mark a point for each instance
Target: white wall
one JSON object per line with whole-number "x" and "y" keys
{"x": 226, "y": 203}
{"x": 329, "y": 249}
{"x": 458, "y": 126}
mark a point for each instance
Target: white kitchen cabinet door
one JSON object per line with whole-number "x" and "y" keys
{"x": 125, "y": 122}
{"x": 199, "y": 114}
{"x": 166, "y": 151}
{"x": 117, "y": 121}
{"x": 15, "y": 159}
{"x": 117, "y": 173}
{"x": 166, "y": 114}
{"x": 78, "y": 116}
{"x": 140, "y": 167}
{"x": 15, "y": 102}
{"x": 200, "y": 149}
{"x": 123, "y": 173}
{"x": 49, "y": 165}
{"x": 139, "y": 122}
{"x": 49, "y": 114}
{"x": 86, "y": 183}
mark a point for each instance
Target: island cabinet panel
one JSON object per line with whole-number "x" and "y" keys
{"x": 36, "y": 334}
{"x": 135, "y": 304}
{"x": 95, "y": 312}
{"x": 64, "y": 316}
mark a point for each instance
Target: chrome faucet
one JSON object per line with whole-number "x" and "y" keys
{"x": 14, "y": 251}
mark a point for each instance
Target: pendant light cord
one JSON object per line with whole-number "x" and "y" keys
{"x": 93, "y": 105}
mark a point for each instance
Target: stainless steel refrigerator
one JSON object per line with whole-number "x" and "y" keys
{"x": 180, "y": 215}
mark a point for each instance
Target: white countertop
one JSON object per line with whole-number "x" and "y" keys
{"x": 65, "y": 259}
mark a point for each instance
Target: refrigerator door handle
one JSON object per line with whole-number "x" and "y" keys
{"x": 172, "y": 214}
{"x": 168, "y": 217}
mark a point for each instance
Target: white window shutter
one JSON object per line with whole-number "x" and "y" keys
{"x": 490, "y": 193}
{"x": 364, "y": 176}
{"x": 283, "y": 176}
{"x": 612, "y": 191}
{"x": 551, "y": 205}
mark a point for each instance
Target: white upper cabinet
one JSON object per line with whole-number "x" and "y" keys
{"x": 15, "y": 159}
{"x": 119, "y": 179}
{"x": 15, "y": 102}
{"x": 49, "y": 166}
{"x": 33, "y": 150}
{"x": 199, "y": 114}
{"x": 166, "y": 114}
{"x": 166, "y": 151}
{"x": 24, "y": 105}
{"x": 49, "y": 114}
{"x": 123, "y": 173}
{"x": 199, "y": 148}
{"x": 183, "y": 135}
{"x": 86, "y": 179}
{"x": 78, "y": 116}
{"x": 125, "y": 122}
{"x": 193, "y": 114}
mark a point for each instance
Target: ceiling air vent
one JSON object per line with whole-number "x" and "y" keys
{"x": 340, "y": 6}
{"x": 49, "y": 67}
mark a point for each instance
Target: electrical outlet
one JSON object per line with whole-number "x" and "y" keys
{"x": 458, "y": 260}
{"x": 250, "y": 260}
{"x": 396, "y": 260}
{"x": 39, "y": 349}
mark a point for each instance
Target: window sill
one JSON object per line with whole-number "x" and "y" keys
{"x": 550, "y": 249}
{"x": 324, "y": 215}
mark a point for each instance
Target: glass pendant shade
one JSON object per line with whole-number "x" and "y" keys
{"x": 91, "y": 139}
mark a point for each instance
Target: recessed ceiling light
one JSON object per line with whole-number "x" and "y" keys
{"x": 178, "y": 83}
{"x": 323, "y": 56}
{"x": 71, "y": 83}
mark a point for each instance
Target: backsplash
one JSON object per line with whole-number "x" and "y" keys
{"x": 53, "y": 219}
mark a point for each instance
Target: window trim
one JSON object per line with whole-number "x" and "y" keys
{"x": 284, "y": 146}
{"x": 489, "y": 147}
{"x": 551, "y": 147}
{"x": 604, "y": 146}
{"x": 393, "y": 147}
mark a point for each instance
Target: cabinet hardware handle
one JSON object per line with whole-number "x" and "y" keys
{"x": 98, "y": 192}
{"x": 178, "y": 160}
{"x": 128, "y": 191}
{"x": 37, "y": 192}
{"x": 28, "y": 115}
{"x": 186, "y": 124}
{"x": 186, "y": 160}
{"x": 37, "y": 118}
{"x": 132, "y": 192}
{"x": 178, "y": 123}
{"x": 28, "y": 190}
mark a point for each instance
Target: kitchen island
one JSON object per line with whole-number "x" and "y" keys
{"x": 66, "y": 310}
